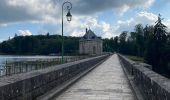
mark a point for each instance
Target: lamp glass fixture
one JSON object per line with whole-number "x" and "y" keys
{"x": 69, "y": 16}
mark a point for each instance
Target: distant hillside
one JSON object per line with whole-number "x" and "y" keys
{"x": 39, "y": 45}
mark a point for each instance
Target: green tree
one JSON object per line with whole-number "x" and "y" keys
{"x": 139, "y": 39}
{"x": 122, "y": 42}
{"x": 156, "y": 50}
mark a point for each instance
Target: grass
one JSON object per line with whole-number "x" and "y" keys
{"x": 135, "y": 58}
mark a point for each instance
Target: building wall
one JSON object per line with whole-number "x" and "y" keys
{"x": 91, "y": 47}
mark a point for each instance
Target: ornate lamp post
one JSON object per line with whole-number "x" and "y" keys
{"x": 69, "y": 17}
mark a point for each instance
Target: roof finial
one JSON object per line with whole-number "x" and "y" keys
{"x": 86, "y": 30}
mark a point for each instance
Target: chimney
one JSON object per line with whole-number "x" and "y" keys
{"x": 86, "y": 30}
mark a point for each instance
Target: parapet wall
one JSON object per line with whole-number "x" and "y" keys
{"x": 29, "y": 86}
{"x": 152, "y": 85}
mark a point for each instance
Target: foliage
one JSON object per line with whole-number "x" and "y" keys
{"x": 136, "y": 58}
{"x": 40, "y": 44}
{"x": 150, "y": 42}
{"x": 48, "y": 44}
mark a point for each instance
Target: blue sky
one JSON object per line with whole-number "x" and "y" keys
{"x": 107, "y": 18}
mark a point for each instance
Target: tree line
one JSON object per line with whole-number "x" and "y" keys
{"x": 150, "y": 42}
{"x": 43, "y": 45}
{"x": 39, "y": 45}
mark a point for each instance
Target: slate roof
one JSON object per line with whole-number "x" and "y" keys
{"x": 90, "y": 35}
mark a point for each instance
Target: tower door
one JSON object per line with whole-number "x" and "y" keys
{"x": 94, "y": 50}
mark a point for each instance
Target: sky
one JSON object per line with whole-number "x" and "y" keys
{"x": 107, "y": 18}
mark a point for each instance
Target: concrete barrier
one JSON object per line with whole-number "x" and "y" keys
{"x": 152, "y": 85}
{"x": 29, "y": 86}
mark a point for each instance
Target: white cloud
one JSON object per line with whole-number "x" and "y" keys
{"x": 77, "y": 33}
{"x": 105, "y": 26}
{"x": 148, "y": 3}
{"x": 106, "y": 29}
{"x": 122, "y": 10}
{"x": 1, "y": 40}
{"x": 167, "y": 23}
{"x": 143, "y": 18}
{"x": 20, "y": 11}
{"x": 79, "y": 24}
{"x": 94, "y": 6}
{"x": 3, "y": 25}
{"x": 126, "y": 25}
{"x": 49, "y": 11}
{"x": 146, "y": 17}
{"x": 24, "y": 32}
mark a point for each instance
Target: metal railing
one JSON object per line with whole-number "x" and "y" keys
{"x": 16, "y": 67}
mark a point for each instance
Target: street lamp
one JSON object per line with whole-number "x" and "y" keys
{"x": 69, "y": 17}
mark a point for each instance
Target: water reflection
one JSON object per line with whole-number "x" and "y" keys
{"x": 10, "y": 58}
{"x": 17, "y": 68}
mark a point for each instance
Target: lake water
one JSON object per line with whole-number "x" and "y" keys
{"x": 26, "y": 67}
{"x": 11, "y": 58}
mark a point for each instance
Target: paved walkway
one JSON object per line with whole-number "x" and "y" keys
{"x": 106, "y": 82}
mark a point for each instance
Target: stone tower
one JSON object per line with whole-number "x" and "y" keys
{"x": 90, "y": 44}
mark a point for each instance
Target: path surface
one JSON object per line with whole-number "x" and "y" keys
{"x": 106, "y": 82}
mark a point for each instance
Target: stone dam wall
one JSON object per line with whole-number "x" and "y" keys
{"x": 152, "y": 85}
{"x": 29, "y": 86}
